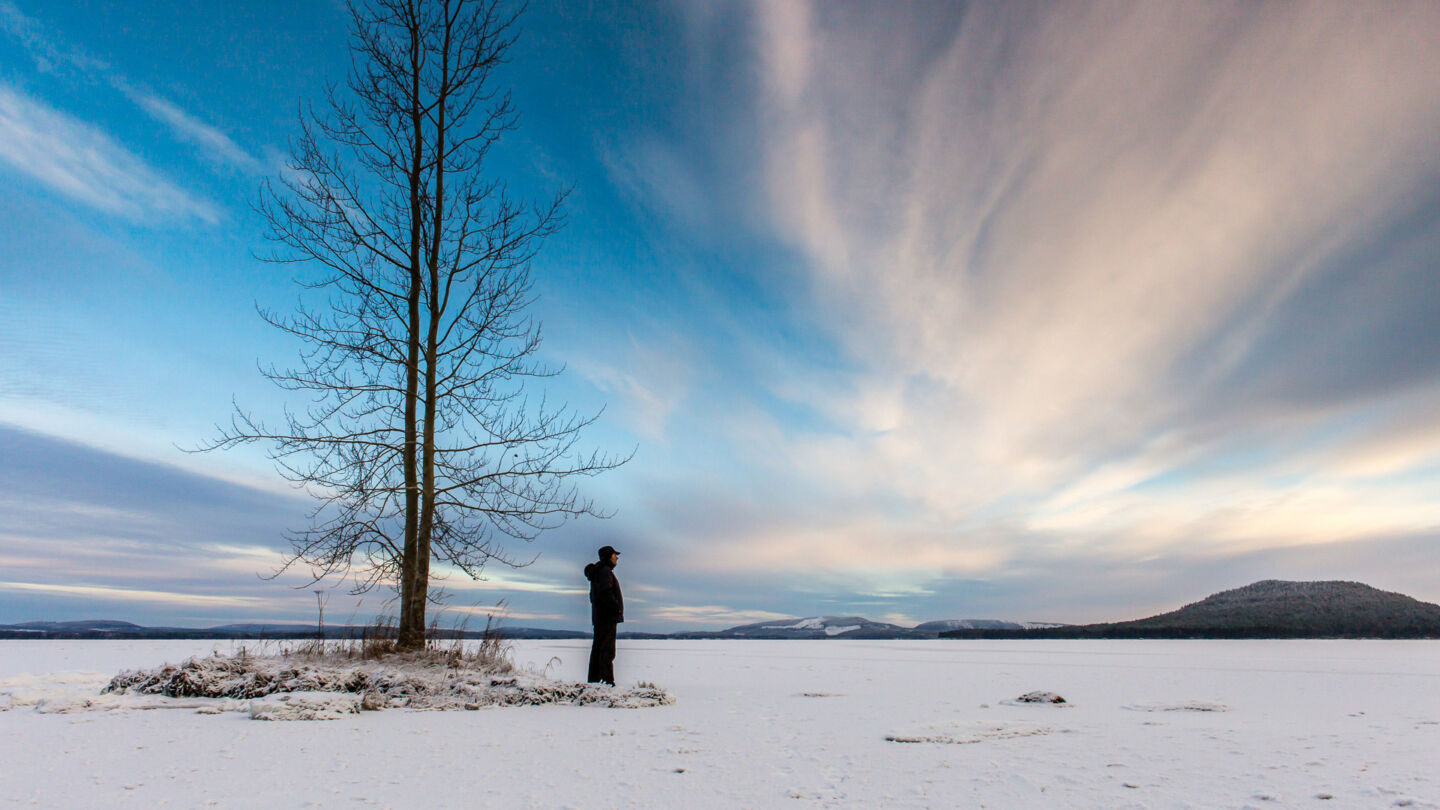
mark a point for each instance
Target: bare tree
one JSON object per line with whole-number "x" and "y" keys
{"x": 419, "y": 441}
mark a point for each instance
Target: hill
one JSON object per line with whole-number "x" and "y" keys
{"x": 854, "y": 627}
{"x": 979, "y": 624}
{"x": 1268, "y": 609}
{"x": 812, "y": 628}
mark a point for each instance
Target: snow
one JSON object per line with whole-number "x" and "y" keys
{"x": 967, "y": 733}
{"x": 771, "y": 724}
{"x": 1187, "y": 706}
{"x": 418, "y": 682}
{"x": 305, "y": 706}
{"x": 28, "y": 689}
{"x": 812, "y": 623}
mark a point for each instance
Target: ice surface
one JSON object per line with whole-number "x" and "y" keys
{"x": 967, "y": 733}
{"x": 1183, "y": 706}
{"x": 1357, "y": 721}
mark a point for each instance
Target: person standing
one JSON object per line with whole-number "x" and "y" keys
{"x": 607, "y": 609}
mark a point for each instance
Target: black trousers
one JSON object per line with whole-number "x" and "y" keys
{"x": 602, "y": 655}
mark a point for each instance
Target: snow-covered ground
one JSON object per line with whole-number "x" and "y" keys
{"x": 783, "y": 724}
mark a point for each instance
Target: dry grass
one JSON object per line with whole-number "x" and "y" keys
{"x": 380, "y": 643}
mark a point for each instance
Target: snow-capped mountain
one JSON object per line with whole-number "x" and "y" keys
{"x": 981, "y": 624}
{"x": 815, "y": 627}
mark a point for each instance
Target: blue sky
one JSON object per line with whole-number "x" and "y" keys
{"x": 1027, "y": 311}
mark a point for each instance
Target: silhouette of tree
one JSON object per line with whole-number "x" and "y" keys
{"x": 419, "y": 442}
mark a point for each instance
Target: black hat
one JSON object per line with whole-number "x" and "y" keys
{"x": 606, "y": 551}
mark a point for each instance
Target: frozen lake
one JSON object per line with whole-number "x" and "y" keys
{"x": 784, "y": 724}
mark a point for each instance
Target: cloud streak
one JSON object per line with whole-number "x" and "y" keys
{"x": 191, "y": 129}
{"x": 52, "y": 54}
{"x": 1071, "y": 198}
{"x": 109, "y": 594}
{"x": 1105, "y": 278}
{"x": 49, "y": 55}
{"x": 82, "y": 162}
{"x": 710, "y": 615}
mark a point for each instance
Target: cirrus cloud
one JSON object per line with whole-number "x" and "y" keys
{"x": 82, "y": 162}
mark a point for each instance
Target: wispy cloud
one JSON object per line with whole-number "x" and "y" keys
{"x": 654, "y": 175}
{"x": 88, "y": 518}
{"x": 652, "y": 381}
{"x": 709, "y": 615}
{"x": 191, "y": 129}
{"x": 499, "y": 614}
{"x": 109, "y": 593}
{"x": 53, "y": 54}
{"x": 50, "y": 55}
{"x": 1407, "y": 443}
{"x": 82, "y": 162}
{"x": 497, "y": 579}
{"x": 1033, "y": 238}
{"x": 1106, "y": 279}
{"x": 874, "y": 552}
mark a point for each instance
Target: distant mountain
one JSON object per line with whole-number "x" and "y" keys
{"x": 541, "y": 632}
{"x": 812, "y": 628}
{"x": 980, "y": 624}
{"x": 1268, "y": 609}
{"x": 84, "y": 626}
{"x": 815, "y": 627}
{"x": 104, "y": 629}
{"x": 852, "y": 627}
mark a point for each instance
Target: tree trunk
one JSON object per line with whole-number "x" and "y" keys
{"x": 426, "y": 531}
{"x": 413, "y": 582}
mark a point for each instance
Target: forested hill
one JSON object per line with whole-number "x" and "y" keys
{"x": 1268, "y": 609}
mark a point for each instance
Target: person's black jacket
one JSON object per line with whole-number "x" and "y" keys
{"x": 607, "y": 606}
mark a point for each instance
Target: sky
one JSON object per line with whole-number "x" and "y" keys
{"x": 1049, "y": 312}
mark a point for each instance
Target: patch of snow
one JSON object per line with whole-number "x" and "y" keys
{"x": 74, "y": 703}
{"x": 29, "y": 689}
{"x": 964, "y": 624}
{"x": 835, "y": 631}
{"x": 813, "y": 623}
{"x": 305, "y": 706}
